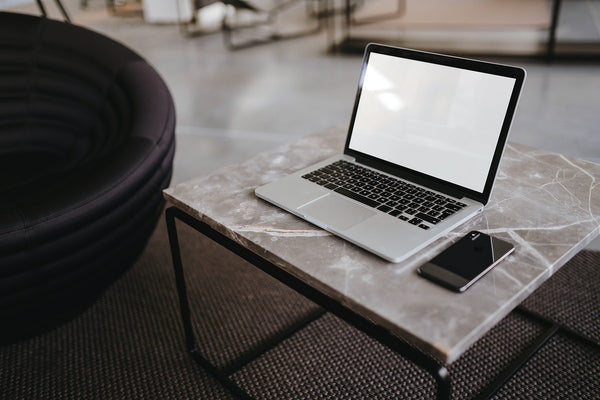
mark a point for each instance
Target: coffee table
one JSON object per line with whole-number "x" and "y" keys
{"x": 546, "y": 204}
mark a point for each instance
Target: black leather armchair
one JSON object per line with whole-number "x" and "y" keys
{"x": 86, "y": 147}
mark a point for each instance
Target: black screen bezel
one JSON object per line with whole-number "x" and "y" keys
{"x": 455, "y": 190}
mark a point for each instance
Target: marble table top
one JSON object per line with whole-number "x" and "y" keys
{"x": 544, "y": 203}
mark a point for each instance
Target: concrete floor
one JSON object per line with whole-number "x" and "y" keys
{"x": 232, "y": 105}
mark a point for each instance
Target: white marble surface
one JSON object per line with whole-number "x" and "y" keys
{"x": 544, "y": 203}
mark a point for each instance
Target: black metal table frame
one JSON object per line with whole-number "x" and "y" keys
{"x": 434, "y": 367}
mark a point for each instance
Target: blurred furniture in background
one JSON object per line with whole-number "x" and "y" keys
{"x": 60, "y": 7}
{"x": 262, "y": 20}
{"x": 491, "y": 27}
{"x": 86, "y": 146}
{"x": 120, "y": 7}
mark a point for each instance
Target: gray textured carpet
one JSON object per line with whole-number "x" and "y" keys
{"x": 129, "y": 344}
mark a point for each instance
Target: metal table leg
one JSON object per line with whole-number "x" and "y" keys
{"x": 552, "y": 328}
{"x": 435, "y": 368}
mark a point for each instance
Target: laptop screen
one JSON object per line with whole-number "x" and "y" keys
{"x": 439, "y": 120}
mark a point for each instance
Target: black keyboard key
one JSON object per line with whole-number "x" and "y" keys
{"x": 445, "y": 214}
{"x": 415, "y": 221}
{"x": 357, "y": 197}
{"x": 427, "y": 218}
{"x": 454, "y": 207}
{"x": 384, "y": 208}
{"x": 423, "y": 226}
{"x": 389, "y": 194}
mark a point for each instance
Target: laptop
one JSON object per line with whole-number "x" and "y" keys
{"x": 423, "y": 146}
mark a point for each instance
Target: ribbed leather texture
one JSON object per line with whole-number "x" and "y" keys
{"x": 86, "y": 146}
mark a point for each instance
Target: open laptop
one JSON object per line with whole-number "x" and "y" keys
{"x": 424, "y": 142}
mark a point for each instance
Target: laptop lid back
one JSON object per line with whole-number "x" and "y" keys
{"x": 438, "y": 120}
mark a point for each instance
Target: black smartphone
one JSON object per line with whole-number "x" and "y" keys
{"x": 466, "y": 261}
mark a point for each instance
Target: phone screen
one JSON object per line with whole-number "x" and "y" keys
{"x": 467, "y": 260}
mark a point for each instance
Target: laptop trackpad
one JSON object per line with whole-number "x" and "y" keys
{"x": 334, "y": 211}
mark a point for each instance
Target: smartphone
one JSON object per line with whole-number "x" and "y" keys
{"x": 466, "y": 261}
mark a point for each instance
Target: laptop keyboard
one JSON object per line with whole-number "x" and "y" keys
{"x": 398, "y": 198}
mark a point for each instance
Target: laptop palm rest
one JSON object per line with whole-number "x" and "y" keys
{"x": 336, "y": 212}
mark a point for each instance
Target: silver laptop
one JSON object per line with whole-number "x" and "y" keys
{"x": 424, "y": 142}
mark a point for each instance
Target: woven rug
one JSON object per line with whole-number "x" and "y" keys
{"x": 130, "y": 345}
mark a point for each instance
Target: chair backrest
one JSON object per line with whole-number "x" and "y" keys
{"x": 61, "y": 102}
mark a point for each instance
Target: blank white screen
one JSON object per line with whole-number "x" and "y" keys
{"x": 438, "y": 120}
